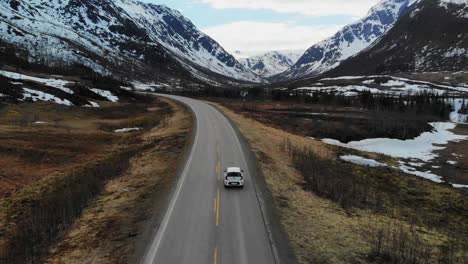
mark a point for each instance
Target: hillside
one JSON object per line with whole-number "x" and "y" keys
{"x": 152, "y": 41}
{"x": 348, "y": 42}
{"x": 430, "y": 38}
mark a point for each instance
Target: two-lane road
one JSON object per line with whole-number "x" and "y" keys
{"x": 204, "y": 222}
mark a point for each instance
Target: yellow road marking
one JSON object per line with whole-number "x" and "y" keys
{"x": 219, "y": 170}
{"x": 215, "y": 255}
{"x": 218, "y": 164}
{"x": 217, "y": 209}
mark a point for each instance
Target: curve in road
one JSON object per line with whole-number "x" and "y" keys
{"x": 204, "y": 222}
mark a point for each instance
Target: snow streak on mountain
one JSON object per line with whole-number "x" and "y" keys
{"x": 348, "y": 42}
{"x": 102, "y": 34}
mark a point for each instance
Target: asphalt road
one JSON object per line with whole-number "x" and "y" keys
{"x": 204, "y": 222}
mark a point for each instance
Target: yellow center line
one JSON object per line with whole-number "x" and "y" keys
{"x": 219, "y": 170}
{"x": 217, "y": 209}
{"x": 215, "y": 255}
{"x": 218, "y": 164}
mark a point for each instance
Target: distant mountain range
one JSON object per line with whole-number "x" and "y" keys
{"x": 126, "y": 36}
{"x": 148, "y": 42}
{"x": 271, "y": 63}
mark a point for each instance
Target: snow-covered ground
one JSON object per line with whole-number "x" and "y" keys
{"x": 126, "y": 130}
{"x": 393, "y": 85}
{"x": 423, "y": 174}
{"x": 457, "y": 105}
{"x": 106, "y": 94}
{"x": 54, "y": 83}
{"x": 421, "y": 147}
{"x": 362, "y": 161}
{"x": 92, "y": 104}
{"x": 41, "y": 96}
{"x": 419, "y": 150}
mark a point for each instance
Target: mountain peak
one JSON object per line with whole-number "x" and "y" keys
{"x": 348, "y": 42}
{"x": 272, "y": 62}
{"x": 117, "y": 30}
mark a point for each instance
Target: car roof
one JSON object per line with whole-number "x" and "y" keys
{"x": 233, "y": 169}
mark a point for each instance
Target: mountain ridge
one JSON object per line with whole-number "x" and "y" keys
{"x": 129, "y": 31}
{"x": 272, "y": 62}
{"x": 347, "y": 42}
{"x": 430, "y": 38}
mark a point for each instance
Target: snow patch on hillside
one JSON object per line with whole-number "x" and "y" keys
{"x": 41, "y": 96}
{"x": 421, "y": 147}
{"x": 127, "y": 130}
{"x": 106, "y": 94}
{"x": 54, "y": 83}
{"x": 362, "y": 161}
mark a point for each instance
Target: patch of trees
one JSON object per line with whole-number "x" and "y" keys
{"x": 391, "y": 242}
{"x": 333, "y": 182}
{"x": 422, "y": 103}
{"x": 396, "y": 243}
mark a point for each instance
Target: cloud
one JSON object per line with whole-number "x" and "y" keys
{"x": 256, "y": 37}
{"x": 305, "y": 7}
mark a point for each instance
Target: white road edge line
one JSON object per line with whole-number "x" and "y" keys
{"x": 153, "y": 250}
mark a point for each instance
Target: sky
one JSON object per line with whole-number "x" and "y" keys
{"x": 250, "y": 27}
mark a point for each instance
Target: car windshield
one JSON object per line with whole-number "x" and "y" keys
{"x": 233, "y": 175}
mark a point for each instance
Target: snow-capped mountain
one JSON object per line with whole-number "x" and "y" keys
{"x": 431, "y": 37}
{"x": 102, "y": 34}
{"x": 271, "y": 63}
{"x": 348, "y": 42}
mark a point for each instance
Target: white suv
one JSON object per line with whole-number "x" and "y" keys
{"x": 233, "y": 177}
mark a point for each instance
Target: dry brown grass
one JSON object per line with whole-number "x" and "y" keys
{"x": 71, "y": 157}
{"x": 69, "y": 138}
{"x": 108, "y": 230}
{"x": 319, "y": 229}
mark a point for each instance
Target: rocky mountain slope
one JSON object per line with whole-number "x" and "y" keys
{"x": 271, "y": 63}
{"x": 105, "y": 35}
{"x": 348, "y": 42}
{"x": 433, "y": 37}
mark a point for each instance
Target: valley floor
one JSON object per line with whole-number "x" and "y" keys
{"x": 339, "y": 212}
{"x": 85, "y": 177}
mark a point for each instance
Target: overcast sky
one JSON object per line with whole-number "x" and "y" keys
{"x": 255, "y": 26}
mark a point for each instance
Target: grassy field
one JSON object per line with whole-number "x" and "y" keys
{"x": 108, "y": 230}
{"x": 335, "y": 212}
{"x": 58, "y": 161}
{"x": 337, "y": 122}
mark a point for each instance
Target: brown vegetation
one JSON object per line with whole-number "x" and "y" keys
{"x": 335, "y": 212}
{"x": 337, "y": 122}
{"x": 108, "y": 230}
{"x": 53, "y": 170}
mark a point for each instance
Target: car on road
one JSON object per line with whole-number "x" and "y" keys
{"x": 233, "y": 177}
